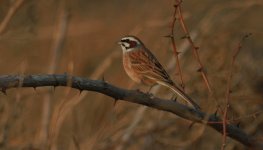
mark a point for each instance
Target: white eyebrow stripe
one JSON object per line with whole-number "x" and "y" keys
{"x": 131, "y": 39}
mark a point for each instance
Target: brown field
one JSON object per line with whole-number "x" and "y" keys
{"x": 79, "y": 37}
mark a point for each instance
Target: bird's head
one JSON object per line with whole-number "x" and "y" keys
{"x": 129, "y": 43}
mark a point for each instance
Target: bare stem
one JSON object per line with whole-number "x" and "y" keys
{"x": 195, "y": 49}
{"x": 176, "y": 53}
{"x": 133, "y": 96}
{"x": 228, "y": 88}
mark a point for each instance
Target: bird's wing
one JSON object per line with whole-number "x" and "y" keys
{"x": 145, "y": 63}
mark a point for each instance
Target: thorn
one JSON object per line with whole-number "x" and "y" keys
{"x": 80, "y": 91}
{"x": 200, "y": 69}
{"x": 174, "y": 98}
{"x": 4, "y": 91}
{"x": 215, "y": 113}
{"x": 182, "y": 86}
{"x": 168, "y": 36}
{"x": 103, "y": 78}
{"x": 191, "y": 125}
{"x": 238, "y": 124}
{"x": 104, "y": 82}
{"x": 138, "y": 90}
{"x": 149, "y": 91}
{"x": 115, "y": 102}
{"x": 35, "y": 88}
{"x": 150, "y": 95}
{"x": 185, "y": 37}
{"x": 177, "y": 52}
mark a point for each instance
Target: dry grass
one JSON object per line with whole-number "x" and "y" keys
{"x": 89, "y": 120}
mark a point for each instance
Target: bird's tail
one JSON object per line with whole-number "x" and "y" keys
{"x": 182, "y": 94}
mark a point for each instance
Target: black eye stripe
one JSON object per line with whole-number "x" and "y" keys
{"x": 129, "y": 43}
{"x": 126, "y": 40}
{"x": 123, "y": 45}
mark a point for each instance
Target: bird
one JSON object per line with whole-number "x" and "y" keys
{"x": 144, "y": 68}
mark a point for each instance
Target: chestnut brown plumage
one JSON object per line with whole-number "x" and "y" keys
{"x": 143, "y": 67}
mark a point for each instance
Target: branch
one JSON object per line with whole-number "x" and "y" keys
{"x": 228, "y": 89}
{"x": 176, "y": 53}
{"x": 134, "y": 96}
{"x": 195, "y": 49}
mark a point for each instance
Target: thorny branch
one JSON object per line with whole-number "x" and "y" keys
{"x": 134, "y": 96}
{"x": 228, "y": 89}
{"x": 176, "y": 53}
{"x": 201, "y": 67}
{"x": 195, "y": 49}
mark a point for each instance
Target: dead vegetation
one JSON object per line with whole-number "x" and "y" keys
{"x": 86, "y": 32}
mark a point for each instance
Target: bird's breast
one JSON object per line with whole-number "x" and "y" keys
{"x": 127, "y": 64}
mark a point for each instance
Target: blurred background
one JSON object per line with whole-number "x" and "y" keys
{"x": 79, "y": 37}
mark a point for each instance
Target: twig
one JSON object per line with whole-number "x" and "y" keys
{"x": 133, "y": 96}
{"x": 228, "y": 91}
{"x": 252, "y": 115}
{"x": 176, "y": 53}
{"x": 195, "y": 49}
{"x": 10, "y": 14}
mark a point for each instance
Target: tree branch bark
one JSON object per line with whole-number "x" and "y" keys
{"x": 134, "y": 96}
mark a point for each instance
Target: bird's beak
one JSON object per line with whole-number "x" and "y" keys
{"x": 119, "y": 42}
